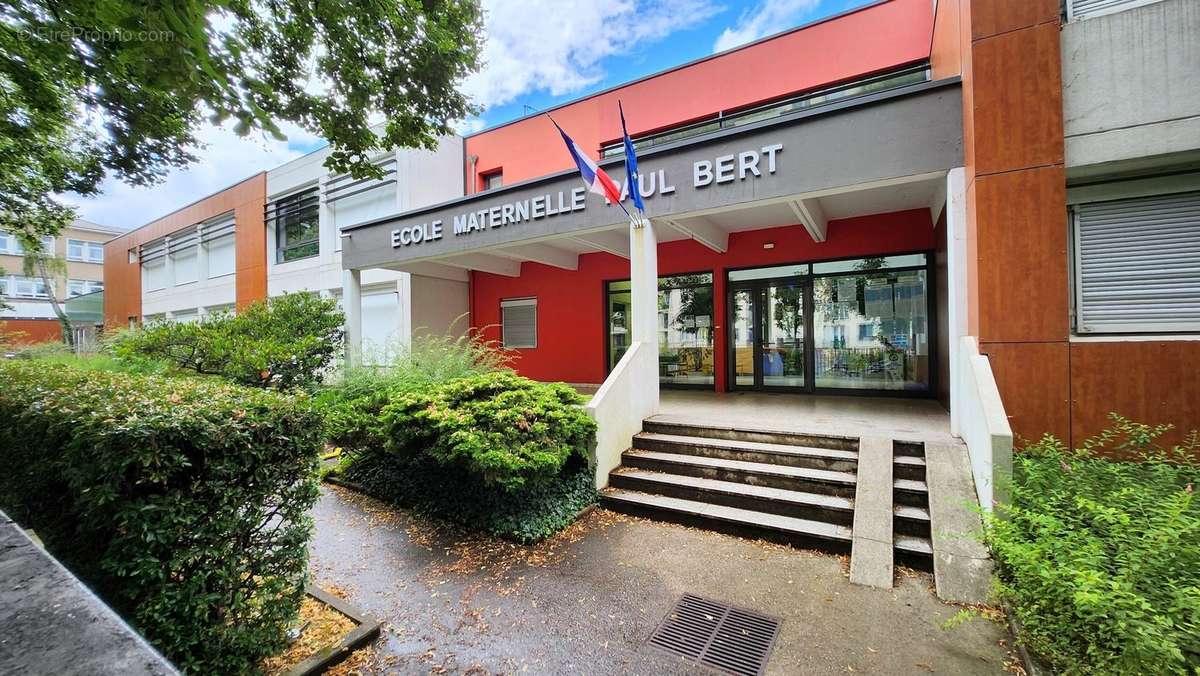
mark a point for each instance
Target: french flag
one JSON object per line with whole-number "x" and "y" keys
{"x": 597, "y": 181}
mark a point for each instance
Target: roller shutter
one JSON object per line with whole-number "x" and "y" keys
{"x": 1138, "y": 264}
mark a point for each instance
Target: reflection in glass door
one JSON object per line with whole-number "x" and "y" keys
{"x": 743, "y": 337}
{"x": 767, "y": 337}
{"x": 783, "y": 335}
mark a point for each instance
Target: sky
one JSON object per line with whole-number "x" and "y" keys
{"x": 537, "y": 54}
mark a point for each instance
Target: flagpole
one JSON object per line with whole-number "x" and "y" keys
{"x": 632, "y": 221}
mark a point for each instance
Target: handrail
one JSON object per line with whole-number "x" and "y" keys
{"x": 983, "y": 425}
{"x": 620, "y": 406}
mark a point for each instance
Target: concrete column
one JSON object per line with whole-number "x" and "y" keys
{"x": 352, "y": 306}
{"x": 643, "y": 276}
{"x": 201, "y": 255}
{"x": 404, "y": 301}
{"x": 325, "y": 226}
{"x": 956, "y": 285}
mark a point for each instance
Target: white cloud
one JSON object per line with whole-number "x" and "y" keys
{"x": 557, "y": 46}
{"x": 765, "y": 18}
{"x": 225, "y": 159}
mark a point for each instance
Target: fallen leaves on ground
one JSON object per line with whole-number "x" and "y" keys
{"x": 323, "y": 627}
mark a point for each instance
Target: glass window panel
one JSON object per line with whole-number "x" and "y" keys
{"x": 685, "y": 327}
{"x": 879, "y": 338}
{"x": 769, "y": 273}
{"x": 873, "y": 263}
{"x": 783, "y": 330}
{"x": 185, "y": 263}
{"x": 222, "y": 256}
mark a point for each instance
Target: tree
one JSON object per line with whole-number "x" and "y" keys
{"x": 3, "y": 301}
{"x": 286, "y": 342}
{"x": 46, "y": 266}
{"x": 95, "y": 86}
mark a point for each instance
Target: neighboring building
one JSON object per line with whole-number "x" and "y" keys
{"x": 276, "y": 232}
{"x": 82, "y": 246}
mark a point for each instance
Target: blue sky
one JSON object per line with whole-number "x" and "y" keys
{"x": 538, "y": 53}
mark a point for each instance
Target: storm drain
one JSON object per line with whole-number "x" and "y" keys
{"x": 717, "y": 635}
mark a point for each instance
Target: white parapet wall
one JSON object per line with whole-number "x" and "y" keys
{"x": 621, "y": 404}
{"x": 983, "y": 425}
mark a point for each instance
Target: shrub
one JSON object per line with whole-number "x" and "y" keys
{"x": 288, "y": 341}
{"x": 353, "y": 403}
{"x": 1100, "y": 560}
{"x": 493, "y": 451}
{"x": 506, "y": 430}
{"x": 182, "y": 502}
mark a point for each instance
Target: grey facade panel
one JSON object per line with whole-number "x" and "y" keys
{"x": 909, "y": 132}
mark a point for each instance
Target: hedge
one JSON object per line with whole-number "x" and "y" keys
{"x": 1100, "y": 560}
{"x": 181, "y": 502}
{"x": 495, "y": 451}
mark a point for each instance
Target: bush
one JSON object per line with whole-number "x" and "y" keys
{"x": 288, "y": 341}
{"x": 506, "y": 430}
{"x": 493, "y": 451}
{"x": 182, "y": 502}
{"x": 353, "y": 403}
{"x": 527, "y": 515}
{"x": 1100, "y": 560}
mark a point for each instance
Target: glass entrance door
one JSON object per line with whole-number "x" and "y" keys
{"x": 767, "y": 336}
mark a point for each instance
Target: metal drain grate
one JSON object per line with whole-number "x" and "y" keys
{"x": 717, "y": 635}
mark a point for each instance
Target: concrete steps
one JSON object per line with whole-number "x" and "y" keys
{"x": 803, "y": 479}
{"x": 666, "y": 425}
{"x": 911, "y": 523}
{"x": 796, "y": 504}
{"x": 749, "y": 451}
{"x": 790, "y": 530}
{"x": 792, "y": 488}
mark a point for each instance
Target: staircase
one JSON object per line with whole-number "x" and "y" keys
{"x": 797, "y": 489}
{"x": 912, "y": 538}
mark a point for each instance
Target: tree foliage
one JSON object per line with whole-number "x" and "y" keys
{"x": 88, "y": 86}
{"x": 288, "y": 341}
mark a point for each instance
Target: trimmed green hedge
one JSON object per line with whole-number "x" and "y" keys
{"x": 1100, "y": 560}
{"x": 182, "y": 502}
{"x": 494, "y": 451}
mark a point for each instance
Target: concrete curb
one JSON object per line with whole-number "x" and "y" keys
{"x": 367, "y": 629}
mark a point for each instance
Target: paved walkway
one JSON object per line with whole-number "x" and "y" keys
{"x": 585, "y": 601}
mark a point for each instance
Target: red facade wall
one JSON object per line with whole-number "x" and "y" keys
{"x": 870, "y": 40}
{"x": 571, "y": 312}
{"x": 32, "y": 331}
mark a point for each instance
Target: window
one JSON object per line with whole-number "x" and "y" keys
{"x": 83, "y": 250}
{"x": 155, "y": 274}
{"x": 222, "y": 257}
{"x": 9, "y": 244}
{"x": 28, "y": 287}
{"x": 1077, "y": 9}
{"x": 185, "y": 263}
{"x": 3, "y": 287}
{"x": 79, "y": 287}
{"x": 518, "y": 322}
{"x": 297, "y": 226}
{"x": 726, "y": 120}
{"x": 685, "y": 327}
{"x": 492, "y": 180}
{"x": 1135, "y": 264}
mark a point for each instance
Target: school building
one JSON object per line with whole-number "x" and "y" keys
{"x": 979, "y": 207}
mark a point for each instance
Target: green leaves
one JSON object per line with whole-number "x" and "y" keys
{"x": 89, "y": 86}
{"x": 286, "y": 342}
{"x": 1100, "y": 560}
{"x": 182, "y": 502}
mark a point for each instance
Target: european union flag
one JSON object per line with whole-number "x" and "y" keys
{"x": 631, "y": 170}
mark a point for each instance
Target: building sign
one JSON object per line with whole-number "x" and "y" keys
{"x": 746, "y": 165}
